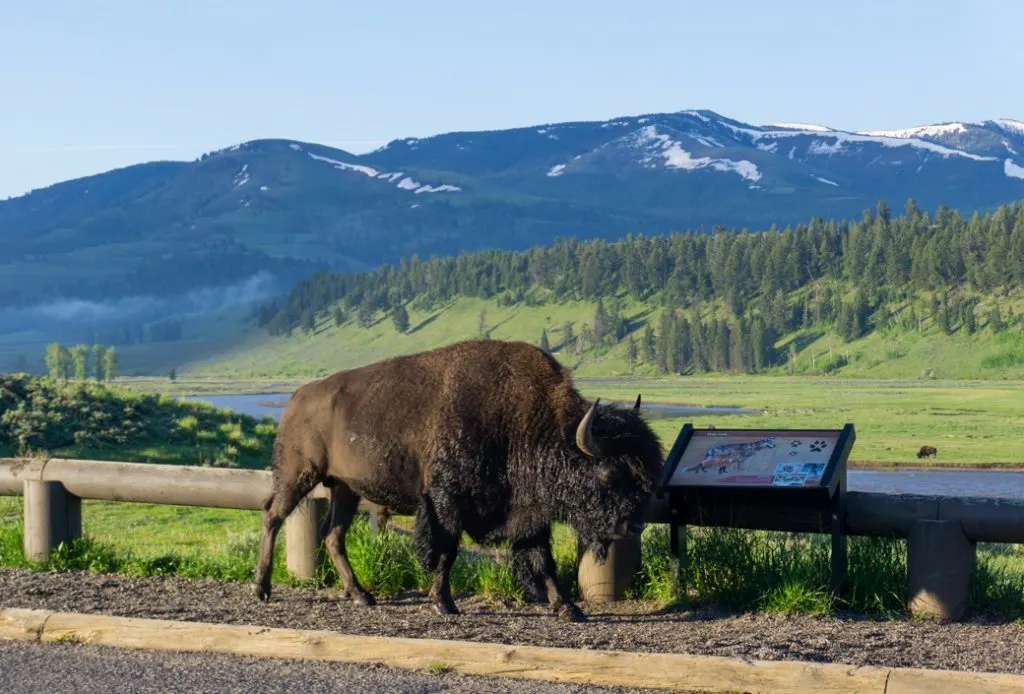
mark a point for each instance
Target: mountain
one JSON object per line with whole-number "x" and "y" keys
{"x": 281, "y": 209}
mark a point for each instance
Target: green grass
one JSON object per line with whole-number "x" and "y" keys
{"x": 970, "y": 423}
{"x": 737, "y": 570}
{"x": 94, "y": 421}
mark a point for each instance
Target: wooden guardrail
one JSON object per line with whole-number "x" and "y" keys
{"x": 941, "y": 531}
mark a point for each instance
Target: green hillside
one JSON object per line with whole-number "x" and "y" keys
{"x": 896, "y": 353}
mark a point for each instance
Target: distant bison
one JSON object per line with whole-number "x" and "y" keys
{"x": 485, "y": 437}
{"x": 927, "y": 451}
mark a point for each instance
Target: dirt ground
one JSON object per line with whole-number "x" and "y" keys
{"x": 973, "y": 645}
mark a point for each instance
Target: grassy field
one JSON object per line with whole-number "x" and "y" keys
{"x": 734, "y": 569}
{"x": 971, "y": 423}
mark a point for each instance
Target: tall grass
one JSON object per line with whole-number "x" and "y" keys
{"x": 735, "y": 570}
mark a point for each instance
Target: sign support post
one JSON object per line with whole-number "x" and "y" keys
{"x": 791, "y": 480}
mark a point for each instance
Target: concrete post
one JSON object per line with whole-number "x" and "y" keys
{"x": 303, "y": 539}
{"x": 608, "y": 582}
{"x": 940, "y": 561}
{"x": 52, "y": 516}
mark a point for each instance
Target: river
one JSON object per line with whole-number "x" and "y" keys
{"x": 982, "y": 483}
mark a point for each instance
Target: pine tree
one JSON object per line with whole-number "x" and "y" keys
{"x": 400, "y": 317}
{"x": 481, "y": 323}
{"x": 647, "y": 345}
{"x": 544, "y": 344}
{"x": 338, "y": 315}
{"x": 307, "y": 322}
{"x": 631, "y": 352}
{"x": 995, "y": 320}
{"x": 568, "y": 339}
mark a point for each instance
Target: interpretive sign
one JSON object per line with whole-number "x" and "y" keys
{"x": 757, "y": 458}
{"x": 767, "y": 479}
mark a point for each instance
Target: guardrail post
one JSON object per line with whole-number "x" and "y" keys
{"x": 940, "y": 561}
{"x": 52, "y": 516}
{"x": 303, "y": 538}
{"x": 608, "y": 582}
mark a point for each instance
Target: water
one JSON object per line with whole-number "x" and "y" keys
{"x": 982, "y": 483}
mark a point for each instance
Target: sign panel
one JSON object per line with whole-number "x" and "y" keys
{"x": 760, "y": 458}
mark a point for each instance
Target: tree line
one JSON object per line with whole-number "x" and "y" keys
{"x": 74, "y": 363}
{"x": 729, "y": 294}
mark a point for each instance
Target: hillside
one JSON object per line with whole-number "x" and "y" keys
{"x": 284, "y": 208}
{"x": 898, "y": 353}
{"x": 911, "y": 296}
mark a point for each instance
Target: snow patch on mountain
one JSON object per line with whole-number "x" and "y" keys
{"x": 406, "y": 183}
{"x": 369, "y": 171}
{"x": 296, "y": 147}
{"x": 802, "y": 126}
{"x": 706, "y": 140}
{"x": 556, "y": 170}
{"x": 824, "y": 180}
{"x": 675, "y": 157}
{"x": 1009, "y": 125}
{"x": 843, "y": 138}
{"x": 1012, "y": 170}
{"x": 695, "y": 114}
{"x": 242, "y": 177}
{"x": 920, "y": 131}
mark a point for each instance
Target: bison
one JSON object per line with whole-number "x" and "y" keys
{"x": 927, "y": 451}
{"x": 486, "y": 437}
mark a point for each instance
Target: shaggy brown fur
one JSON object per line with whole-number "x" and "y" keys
{"x": 486, "y": 437}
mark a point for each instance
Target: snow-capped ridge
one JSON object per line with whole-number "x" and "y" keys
{"x": 802, "y": 126}
{"x": 936, "y": 130}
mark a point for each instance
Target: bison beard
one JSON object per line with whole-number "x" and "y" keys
{"x": 485, "y": 437}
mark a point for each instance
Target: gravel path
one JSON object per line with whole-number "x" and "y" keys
{"x": 35, "y": 668}
{"x": 978, "y": 646}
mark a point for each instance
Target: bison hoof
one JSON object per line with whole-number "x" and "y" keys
{"x": 262, "y": 592}
{"x": 445, "y": 607}
{"x": 571, "y": 613}
{"x": 363, "y": 598}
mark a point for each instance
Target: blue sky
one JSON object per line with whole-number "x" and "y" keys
{"x": 91, "y": 85}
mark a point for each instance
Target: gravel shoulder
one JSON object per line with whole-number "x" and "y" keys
{"x": 974, "y": 646}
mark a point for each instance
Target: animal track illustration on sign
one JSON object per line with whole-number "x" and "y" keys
{"x": 760, "y": 458}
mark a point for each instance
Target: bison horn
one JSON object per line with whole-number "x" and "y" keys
{"x": 585, "y": 439}
{"x": 636, "y": 407}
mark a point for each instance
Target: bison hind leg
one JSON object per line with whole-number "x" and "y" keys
{"x": 438, "y": 529}
{"x": 527, "y": 574}
{"x": 425, "y": 536}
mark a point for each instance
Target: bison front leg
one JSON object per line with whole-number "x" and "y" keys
{"x": 437, "y": 544}
{"x": 534, "y": 565}
{"x": 344, "y": 504}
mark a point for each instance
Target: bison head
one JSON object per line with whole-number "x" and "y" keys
{"x": 619, "y": 457}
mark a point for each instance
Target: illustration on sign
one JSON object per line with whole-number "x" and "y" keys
{"x": 778, "y": 459}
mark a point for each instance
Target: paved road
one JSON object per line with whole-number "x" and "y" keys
{"x": 33, "y": 668}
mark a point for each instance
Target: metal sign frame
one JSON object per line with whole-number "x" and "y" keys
{"x": 818, "y": 508}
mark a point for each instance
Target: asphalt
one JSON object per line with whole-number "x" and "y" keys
{"x": 35, "y": 668}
